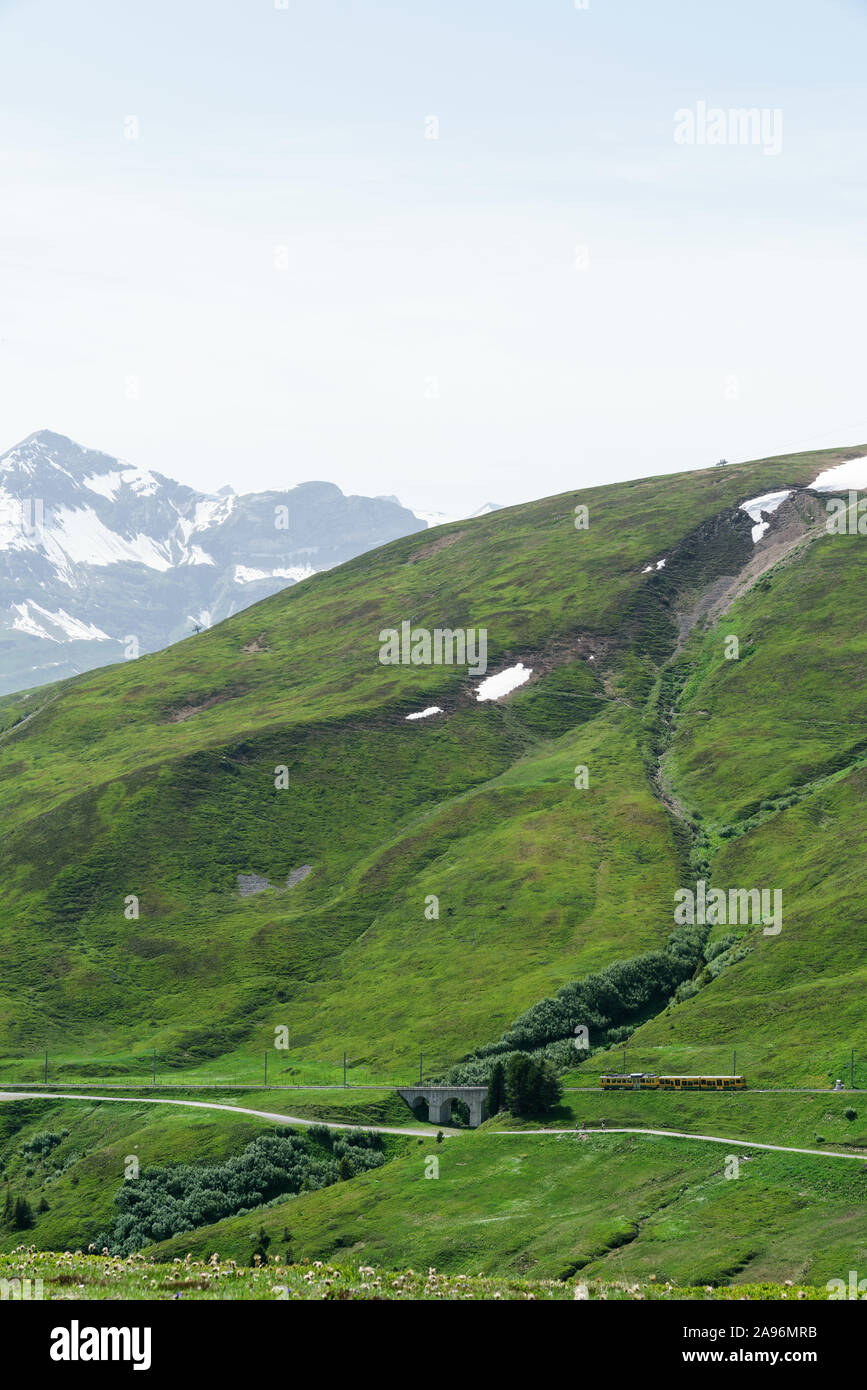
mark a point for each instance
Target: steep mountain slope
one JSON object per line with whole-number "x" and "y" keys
{"x": 101, "y": 561}
{"x": 157, "y": 787}
{"x": 771, "y": 753}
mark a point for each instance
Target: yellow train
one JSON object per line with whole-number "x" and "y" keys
{"x": 649, "y": 1081}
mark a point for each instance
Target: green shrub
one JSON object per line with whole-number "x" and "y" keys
{"x": 717, "y": 948}
{"x": 44, "y": 1141}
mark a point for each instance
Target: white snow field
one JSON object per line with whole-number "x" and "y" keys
{"x": 852, "y": 474}
{"x": 495, "y": 687}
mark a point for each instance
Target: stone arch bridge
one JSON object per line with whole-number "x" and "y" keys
{"x": 439, "y": 1100}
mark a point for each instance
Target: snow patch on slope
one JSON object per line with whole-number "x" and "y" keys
{"x": 244, "y": 575}
{"x": 211, "y": 511}
{"x": 79, "y": 537}
{"x": 142, "y": 482}
{"x": 106, "y": 484}
{"x": 852, "y": 474}
{"x": 197, "y": 556}
{"x": 495, "y": 687}
{"x": 445, "y": 519}
{"x": 768, "y": 502}
{"x": 71, "y": 629}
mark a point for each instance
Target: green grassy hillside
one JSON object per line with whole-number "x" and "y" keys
{"x": 609, "y": 1207}
{"x": 770, "y": 754}
{"x": 70, "y": 1159}
{"x": 156, "y": 778}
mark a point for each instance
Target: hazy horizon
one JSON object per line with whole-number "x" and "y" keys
{"x": 452, "y": 255}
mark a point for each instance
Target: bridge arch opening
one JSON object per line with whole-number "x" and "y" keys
{"x": 460, "y": 1114}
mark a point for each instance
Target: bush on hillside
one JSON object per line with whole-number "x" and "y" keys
{"x": 43, "y": 1142}
{"x": 166, "y": 1201}
{"x": 716, "y": 949}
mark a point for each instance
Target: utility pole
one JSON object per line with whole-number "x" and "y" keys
{"x": 46, "y": 1065}
{"x": 624, "y": 1061}
{"x": 852, "y": 1070}
{"x": 344, "y": 1068}
{"x": 734, "y": 1063}
{"x": 266, "y": 1068}
{"x": 154, "y": 1070}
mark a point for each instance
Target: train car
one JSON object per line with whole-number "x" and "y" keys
{"x": 702, "y": 1083}
{"x": 649, "y": 1081}
{"x": 628, "y": 1081}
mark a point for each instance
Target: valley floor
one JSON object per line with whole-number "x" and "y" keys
{"x": 698, "y": 1191}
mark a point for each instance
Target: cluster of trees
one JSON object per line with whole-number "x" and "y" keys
{"x": 602, "y": 1001}
{"x": 524, "y": 1086}
{"x": 169, "y": 1200}
{"x": 609, "y": 1003}
{"x": 17, "y": 1212}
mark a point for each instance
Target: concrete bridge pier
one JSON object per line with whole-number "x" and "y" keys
{"x": 440, "y": 1112}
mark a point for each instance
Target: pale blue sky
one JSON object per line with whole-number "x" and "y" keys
{"x": 430, "y": 332}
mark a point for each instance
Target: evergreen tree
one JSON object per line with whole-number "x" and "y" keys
{"x": 532, "y": 1086}
{"x": 497, "y": 1089}
{"x": 260, "y": 1243}
{"x": 549, "y": 1087}
{"x": 520, "y": 1091}
{"x": 22, "y": 1215}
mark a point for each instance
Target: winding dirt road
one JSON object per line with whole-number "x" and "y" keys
{"x": 212, "y": 1105}
{"x": 431, "y": 1130}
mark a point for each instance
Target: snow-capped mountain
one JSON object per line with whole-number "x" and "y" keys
{"x": 100, "y": 560}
